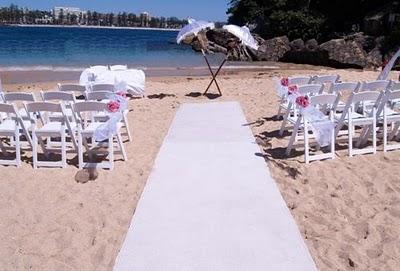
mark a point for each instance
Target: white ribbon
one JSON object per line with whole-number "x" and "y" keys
{"x": 320, "y": 124}
{"x": 110, "y": 127}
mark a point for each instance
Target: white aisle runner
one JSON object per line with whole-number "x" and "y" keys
{"x": 210, "y": 202}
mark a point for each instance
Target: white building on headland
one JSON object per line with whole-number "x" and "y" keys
{"x": 63, "y": 13}
{"x": 145, "y": 19}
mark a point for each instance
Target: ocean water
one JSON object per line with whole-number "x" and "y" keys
{"x": 71, "y": 47}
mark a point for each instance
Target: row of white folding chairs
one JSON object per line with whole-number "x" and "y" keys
{"x": 55, "y": 123}
{"x": 330, "y": 84}
{"x": 68, "y": 99}
{"x": 286, "y": 109}
{"x": 364, "y": 109}
{"x": 80, "y": 90}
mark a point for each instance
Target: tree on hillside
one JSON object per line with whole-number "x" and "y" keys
{"x": 305, "y": 19}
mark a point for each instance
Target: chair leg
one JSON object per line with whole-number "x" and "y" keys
{"x": 350, "y": 127}
{"x": 374, "y": 132}
{"x": 293, "y": 136}
{"x": 3, "y": 149}
{"x": 306, "y": 144}
{"x": 128, "y": 131}
{"x": 63, "y": 149}
{"x": 80, "y": 150}
{"x": 283, "y": 126}
{"x": 111, "y": 152}
{"x": 385, "y": 133}
{"x": 34, "y": 149}
{"x": 17, "y": 148}
{"x": 121, "y": 147}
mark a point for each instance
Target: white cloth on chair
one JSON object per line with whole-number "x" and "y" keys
{"x": 134, "y": 79}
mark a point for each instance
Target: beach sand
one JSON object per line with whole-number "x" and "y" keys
{"x": 347, "y": 209}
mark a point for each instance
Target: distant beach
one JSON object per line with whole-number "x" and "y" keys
{"x": 93, "y": 26}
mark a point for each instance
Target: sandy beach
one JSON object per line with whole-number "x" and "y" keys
{"x": 347, "y": 209}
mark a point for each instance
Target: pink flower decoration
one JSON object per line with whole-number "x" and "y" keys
{"x": 292, "y": 89}
{"x": 113, "y": 106}
{"x": 285, "y": 82}
{"x": 303, "y": 101}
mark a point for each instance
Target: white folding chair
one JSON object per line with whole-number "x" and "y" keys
{"x": 377, "y": 85}
{"x": 352, "y": 118}
{"x": 18, "y": 99}
{"x": 49, "y": 129}
{"x": 104, "y": 96}
{"x": 103, "y": 87}
{"x": 326, "y": 104}
{"x": 390, "y": 117}
{"x": 295, "y": 80}
{"x": 326, "y": 80}
{"x": 12, "y": 127}
{"x": 118, "y": 67}
{"x": 66, "y": 98}
{"x": 394, "y": 86}
{"x": 78, "y": 90}
{"x": 323, "y": 79}
{"x": 342, "y": 89}
{"x": 88, "y": 125}
{"x": 307, "y": 90}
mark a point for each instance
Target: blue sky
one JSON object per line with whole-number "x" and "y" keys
{"x": 213, "y": 10}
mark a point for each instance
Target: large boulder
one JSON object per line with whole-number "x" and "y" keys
{"x": 297, "y": 45}
{"x": 344, "y": 54}
{"x": 272, "y": 49}
{"x": 374, "y": 58}
{"x": 311, "y": 45}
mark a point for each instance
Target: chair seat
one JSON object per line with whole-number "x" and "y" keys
{"x": 68, "y": 113}
{"x": 54, "y": 127}
{"x": 9, "y": 126}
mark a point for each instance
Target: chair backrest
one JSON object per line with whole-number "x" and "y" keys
{"x": 19, "y": 96}
{"x": 310, "y": 89}
{"x": 89, "y": 106}
{"x": 103, "y": 87}
{"x": 366, "y": 96}
{"x": 299, "y": 80}
{"x": 71, "y": 88}
{"x": 57, "y": 96}
{"x": 378, "y": 85}
{"x": 8, "y": 108}
{"x": 98, "y": 95}
{"x": 344, "y": 87}
{"x": 44, "y": 107}
{"x": 98, "y": 69}
{"x": 323, "y": 99}
{"x": 322, "y": 79}
{"x": 118, "y": 68}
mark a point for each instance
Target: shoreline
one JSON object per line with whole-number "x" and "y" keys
{"x": 93, "y": 26}
{"x": 38, "y": 74}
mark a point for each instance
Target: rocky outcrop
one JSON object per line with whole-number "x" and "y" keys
{"x": 342, "y": 53}
{"x": 353, "y": 51}
{"x": 272, "y": 49}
